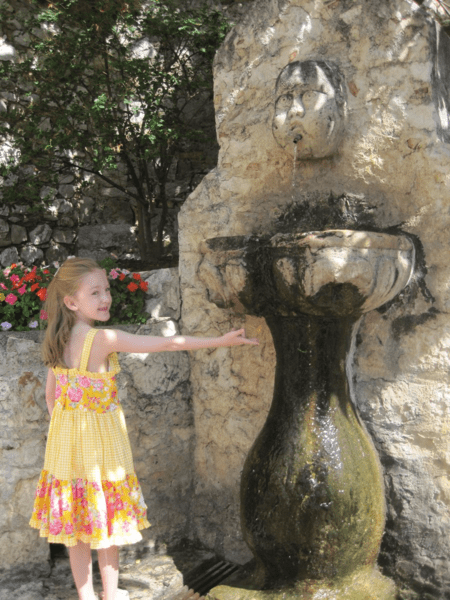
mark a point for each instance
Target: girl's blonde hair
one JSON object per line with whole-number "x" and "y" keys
{"x": 60, "y": 318}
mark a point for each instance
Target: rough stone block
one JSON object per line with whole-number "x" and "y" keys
{"x": 31, "y": 254}
{"x": 164, "y": 292}
{"x": 107, "y": 236}
{"x": 9, "y": 256}
{"x": 63, "y": 236}
{"x": 18, "y": 234}
{"x": 67, "y": 191}
{"x": 56, "y": 253}
{"x": 41, "y": 234}
{"x": 7, "y": 52}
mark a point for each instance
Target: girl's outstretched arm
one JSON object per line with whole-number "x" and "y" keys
{"x": 115, "y": 340}
{"x": 50, "y": 391}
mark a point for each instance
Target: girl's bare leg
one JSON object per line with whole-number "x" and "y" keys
{"x": 81, "y": 565}
{"x": 108, "y": 561}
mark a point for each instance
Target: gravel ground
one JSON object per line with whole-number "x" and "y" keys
{"x": 146, "y": 573}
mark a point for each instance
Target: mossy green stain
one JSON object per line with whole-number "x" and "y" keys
{"x": 312, "y": 494}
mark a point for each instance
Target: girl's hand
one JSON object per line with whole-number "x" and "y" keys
{"x": 237, "y": 338}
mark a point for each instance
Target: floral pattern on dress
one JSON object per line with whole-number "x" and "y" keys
{"x": 86, "y": 393}
{"x": 102, "y": 514}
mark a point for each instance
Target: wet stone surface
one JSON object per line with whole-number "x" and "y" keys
{"x": 146, "y": 573}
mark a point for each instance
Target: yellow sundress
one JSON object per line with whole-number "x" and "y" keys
{"x": 88, "y": 489}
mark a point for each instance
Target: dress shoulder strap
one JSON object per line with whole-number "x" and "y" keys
{"x": 87, "y": 349}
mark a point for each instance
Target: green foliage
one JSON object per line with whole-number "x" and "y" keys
{"x": 103, "y": 81}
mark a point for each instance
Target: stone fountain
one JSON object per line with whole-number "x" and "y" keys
{"x": 312, "y": 495}
{"x": 376, "y": 73}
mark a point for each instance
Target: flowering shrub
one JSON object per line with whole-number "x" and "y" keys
{"x": 24, "y": 290}
{"x": 128, "y": 294}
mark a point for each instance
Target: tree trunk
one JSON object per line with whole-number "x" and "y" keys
{"x": 147, "y": 247}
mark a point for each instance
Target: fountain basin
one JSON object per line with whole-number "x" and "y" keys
{"x": 325, "y": 273}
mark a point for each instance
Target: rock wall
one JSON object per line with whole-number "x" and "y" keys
{"x": 155, "y": 392}
{"x": 390, "y": 173}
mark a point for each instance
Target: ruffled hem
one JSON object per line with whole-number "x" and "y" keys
{"x": 72, "y": 540}
{"x": 101, "y": 514}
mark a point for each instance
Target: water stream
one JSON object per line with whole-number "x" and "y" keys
{"x": 293, "y": 169}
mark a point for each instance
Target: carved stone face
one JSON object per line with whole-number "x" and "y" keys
{"x": 309, "y": 109}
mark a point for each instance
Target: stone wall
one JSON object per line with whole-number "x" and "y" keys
{"x": 393, "y": 162}
{"x": 155, "y": 392}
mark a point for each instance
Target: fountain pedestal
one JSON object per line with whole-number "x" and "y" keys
{"x": 312, "y": 496}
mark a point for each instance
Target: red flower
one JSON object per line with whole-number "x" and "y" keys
{"x": 30, "y": 276}
{"x": 34, "y": 287}
{"x": 46, "y": 271}
{"x": 122, "y": 277}
{"x": 132, "y": 287}
{"x": 42, "y": 293}
{"x": 11, "y": 299}
{"x": 17, "y": 283}
{"x": 13, "y": 266}
{"x": 136, "y": 276}
{"x": 144, "y": 286}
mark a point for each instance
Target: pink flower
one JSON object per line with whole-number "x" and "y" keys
{"x": 11, "y": 299}
{"x": 15, "y": 278}
{"x": 56, "y": 527}
{"x": 22, "y": 290}
{"x": 68, "y": 528}
{"x": 57, "y": 392}
{"x": 3, "y": 286}
{"x": 43, "y": 316}
{"x": 79, "y": 490}
{"x": 75, "y": 395}
{"x": 114, "y": 274}
{"x": 63, "y": 379}
{"x": 84, "y": 381}
{"x": 56, "y": 512}
{"x": 119, "y": 505}
{"x": 89, "y": 529}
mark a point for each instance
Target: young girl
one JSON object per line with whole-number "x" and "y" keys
{"x": 88, "y": 495}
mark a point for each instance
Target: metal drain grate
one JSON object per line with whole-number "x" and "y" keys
{"x": 209, "y": 574}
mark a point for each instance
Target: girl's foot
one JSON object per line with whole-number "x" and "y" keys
{"x": 120, "y": 595}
